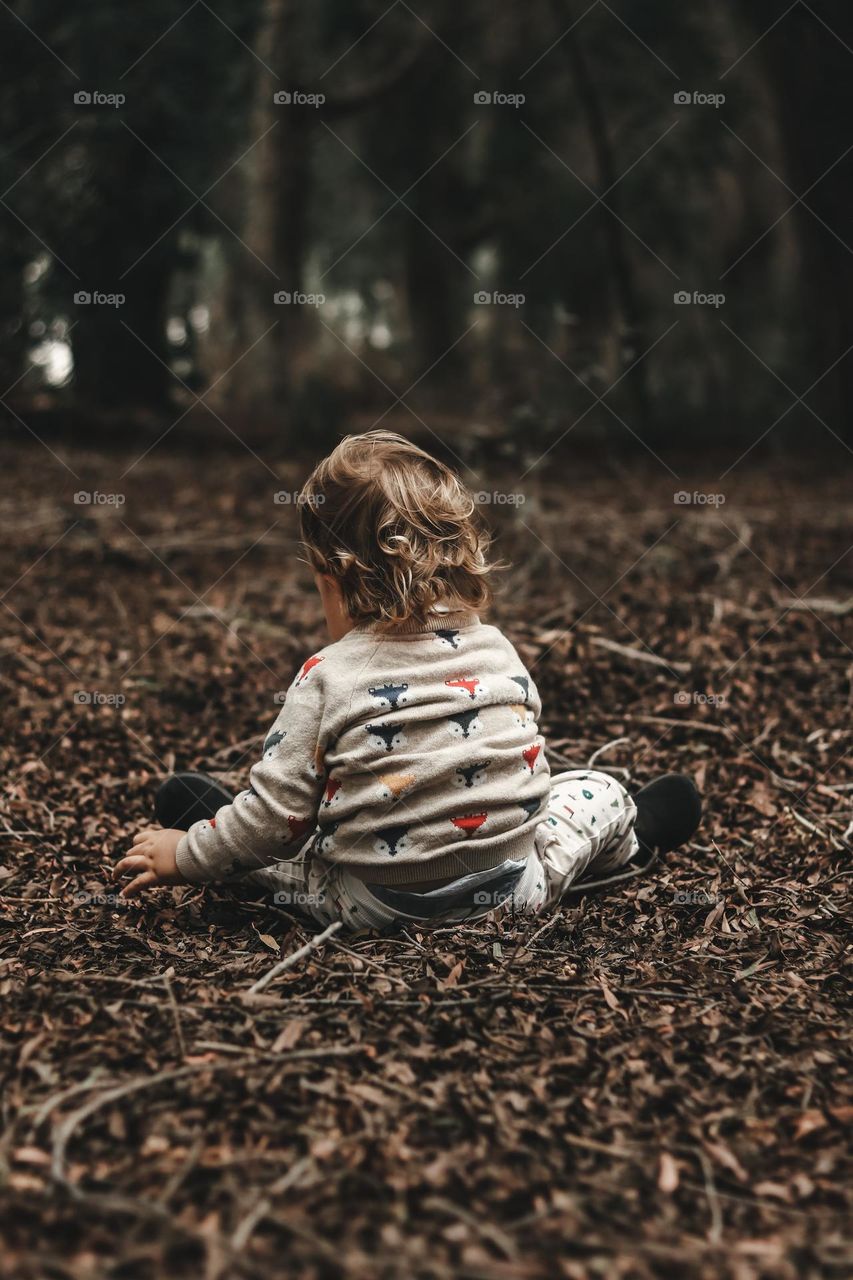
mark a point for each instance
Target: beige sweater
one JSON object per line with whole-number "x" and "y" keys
{"x": 406, "y": 757}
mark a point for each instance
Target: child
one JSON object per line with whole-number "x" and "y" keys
{"x": 405, "y": 777}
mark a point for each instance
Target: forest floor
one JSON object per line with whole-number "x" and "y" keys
{"x": 647, "y": 1082}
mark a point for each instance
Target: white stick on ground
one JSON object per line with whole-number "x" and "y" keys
{"x": 289, "y": 961}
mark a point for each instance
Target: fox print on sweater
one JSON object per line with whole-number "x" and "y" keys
{"x": 404, "y": 756}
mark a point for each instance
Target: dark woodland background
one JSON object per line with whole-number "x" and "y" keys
{"x": 399, "y": 197}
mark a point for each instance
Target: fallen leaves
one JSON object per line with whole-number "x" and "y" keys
{"x": 652, "y": 1081}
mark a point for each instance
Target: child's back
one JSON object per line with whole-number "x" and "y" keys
{"x": 405, "y": 776}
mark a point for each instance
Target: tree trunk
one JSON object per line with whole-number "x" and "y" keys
{"x": 634, "y": 337}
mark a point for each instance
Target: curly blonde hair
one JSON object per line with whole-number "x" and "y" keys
{"x": 396, "y": 528}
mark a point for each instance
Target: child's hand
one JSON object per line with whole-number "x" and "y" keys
{"x": 153, "y": 859}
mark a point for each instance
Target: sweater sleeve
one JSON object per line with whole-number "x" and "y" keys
{"x": 271, "y": 819}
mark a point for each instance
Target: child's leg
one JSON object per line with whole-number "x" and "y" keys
{"x": 590, "y": 826}
{"x": 186, "y": 798}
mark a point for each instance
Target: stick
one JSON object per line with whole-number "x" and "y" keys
{"x": 820, "y": 604}
{"x": 617, "y": 742}
{"x": 289, "y": 961}
{"x": 640, "y": 655}
{"x": 167, "y": 982}
{"x": 244, "y": 1230}
{"x": 676, "y": 724}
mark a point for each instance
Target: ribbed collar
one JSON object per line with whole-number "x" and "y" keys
{"x": 436, "y": 622}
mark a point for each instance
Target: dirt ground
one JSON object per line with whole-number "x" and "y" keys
{"x": 648, "y": 1082}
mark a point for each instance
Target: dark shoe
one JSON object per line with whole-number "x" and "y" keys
{"x": 669, "y": 809}
{"x": 186, "y": 798}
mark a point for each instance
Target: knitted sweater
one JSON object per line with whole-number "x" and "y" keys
{"x": 405, "y": 756}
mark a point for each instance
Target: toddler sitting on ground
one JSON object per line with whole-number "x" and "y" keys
{"x": 405, "y": 778}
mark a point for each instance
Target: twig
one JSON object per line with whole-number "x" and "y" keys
{"x": 261, "y": 1208}
{"x": 167, "y": 982}
{"x": 66, "y": 1129}
{"x": 640, "y": 655}
{"x": 716, "y": 1232}
{"x": 616, "y": 741}
{"x": 820, "y": 604}
{"x": 700, "y": 725}
{"x": 289, "y": 961}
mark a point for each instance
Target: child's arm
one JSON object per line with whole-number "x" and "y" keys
{"x": 268, "y": 821}
{"x": 271, "y": 819}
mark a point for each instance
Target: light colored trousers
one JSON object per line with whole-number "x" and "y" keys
{"x": 589, "y": 827}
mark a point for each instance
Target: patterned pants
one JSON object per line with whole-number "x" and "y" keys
{"x": 589, "y": 827}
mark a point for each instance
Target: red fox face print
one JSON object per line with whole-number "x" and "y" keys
{"x": 468, "y": 823}
{"x": 463, "y": 725}
{"x": 297, "y": 826}
{"x": 388, "y": 736}
{"x": 471, "y": 775}
{"x": 306, "y": 669}
{"x": 447, "y": 636}
{"x": 468, "y": 685}
{"x": 531, "y": 755}
{"x": 396, "y": 783}
{"x": 330, "y": 795}
{"x": 272, "y": 741}
{"x": 393, "y": 694}
{"x": 392, "y": 840}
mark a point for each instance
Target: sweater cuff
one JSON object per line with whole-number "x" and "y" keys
{"x": 188, "y": 865}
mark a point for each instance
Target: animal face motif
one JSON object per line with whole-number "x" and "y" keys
{"x": 396, "y": 783}
{"x": 471, "y": 775}
{"x": 468, "y": 823}
{"x": 392, "y": 840}
{"x": 297, "y": 827}
{"x": 306, "y": 669}
{"x": 324, "y": 839}
{"x": 393, "y": 694}
{"x": 272, "y": 741}
{"x": 468, "y": 686}
{"x": 464, "y": 724}
{"x": 387, "y": 736}
{"x": 330, "y": 795}
{"x": 447, "y": 636}
{"x": 531, "y": 755}
{"x": 523, "y": 683}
